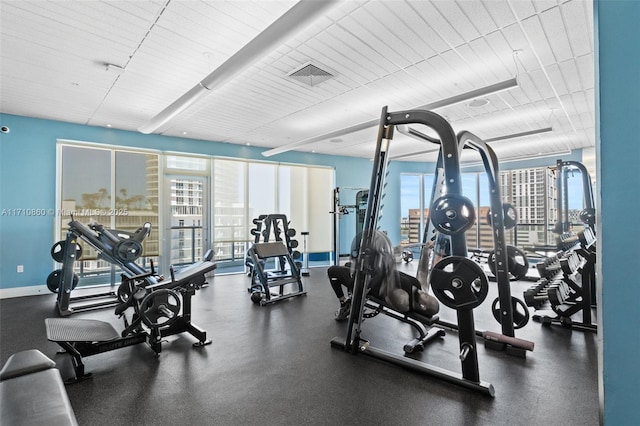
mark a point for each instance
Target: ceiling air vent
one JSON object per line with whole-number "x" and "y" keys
{"x": 310, "y": 74}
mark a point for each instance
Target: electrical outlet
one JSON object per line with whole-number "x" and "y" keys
{"x": 20, "y": 268}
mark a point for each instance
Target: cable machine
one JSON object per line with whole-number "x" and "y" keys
{"x": 339, "y": 210}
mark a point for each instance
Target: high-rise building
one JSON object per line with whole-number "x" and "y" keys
{"x": 533, "y": 193}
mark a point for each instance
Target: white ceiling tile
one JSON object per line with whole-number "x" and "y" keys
{"x": 557, "y": 79}
{"x": 482, "y": 66}
{"x": 403, "y": 53}
{"x": 523, "y": 8}
{"x": 435, "y": 20}
{"x": 586, "y": 71}
{"x": 571, "y": 76}
{"x": 580, "y": 38}
{"x": 427, "y": 42}
{"x": 500, "y": 12}
{"x": 538, "y": 40}
{"x": 556, "y": 34}
{"x": 458, "y": 20}
{"x": 543, "y": 5}
{"x": 478, "y": 15}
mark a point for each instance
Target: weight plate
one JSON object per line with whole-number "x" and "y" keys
{"x": 509, "y": 216}
{"x": 57, "y": 251}
{"x": 256, "y": 297}
{"x": 55, "y": 279}
{"x": 517, "y": 263}
{"x": 459, "y": 283}
{"x": 160, "y": 308}
{"x": 519, "y": 311}
{"x": 128, "y": 250}
{"x": 452, "y": 214}
{"x": 588, "y": 216}
{"x": 124, "y": 292}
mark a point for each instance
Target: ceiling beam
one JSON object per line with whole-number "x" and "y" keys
{"x": 483, "y": 91}
{"x": 281, "y": 30}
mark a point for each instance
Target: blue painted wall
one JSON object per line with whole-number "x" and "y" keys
{"x": 618, "y": 153}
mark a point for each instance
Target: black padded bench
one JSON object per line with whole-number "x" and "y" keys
{"x": 32, "y": 392}
{"x": 193, "y": 274}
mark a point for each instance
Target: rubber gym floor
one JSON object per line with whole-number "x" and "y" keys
{"x": 273, "y": 365}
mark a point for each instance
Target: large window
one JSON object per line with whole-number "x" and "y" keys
{"x": 115, "y": 188}
{"x": 412, "y": 215}
{"x": 245, "y": 190}
{"x": 199, "y": 203}
{"x": 531, "y": 191}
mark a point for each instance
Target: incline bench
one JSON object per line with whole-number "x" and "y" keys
{"x": 32, "y": 392}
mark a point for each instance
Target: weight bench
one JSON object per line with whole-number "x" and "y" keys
{"x": 191, "y": 275}
{"x": 32, "y": 392}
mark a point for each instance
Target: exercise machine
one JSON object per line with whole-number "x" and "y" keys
{"x": 588, "y": 214}
{"x": 453, "y": 214}
{"x": 505, "y": 262}
{"x": 160, "y": 310}
{"x": 117, "y": 247}
{"x": 359, "y": 208}
{"x": 566, "y": 238}
{"x": 459, "y": 281}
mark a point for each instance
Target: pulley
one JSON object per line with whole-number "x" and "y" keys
{"x": 407, "y": 255}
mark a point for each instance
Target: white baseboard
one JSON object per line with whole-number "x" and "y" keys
{"x": 34, "y": 290}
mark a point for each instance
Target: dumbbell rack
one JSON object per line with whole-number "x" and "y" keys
{"x": 568, "y": 286}
{"x": 273, "y": 242}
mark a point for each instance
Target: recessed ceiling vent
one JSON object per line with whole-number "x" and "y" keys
{"x": 310, "y": 74}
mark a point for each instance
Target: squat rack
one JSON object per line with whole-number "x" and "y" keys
{"x": 505, "y": 311}
{"x": 353, "y": 342}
